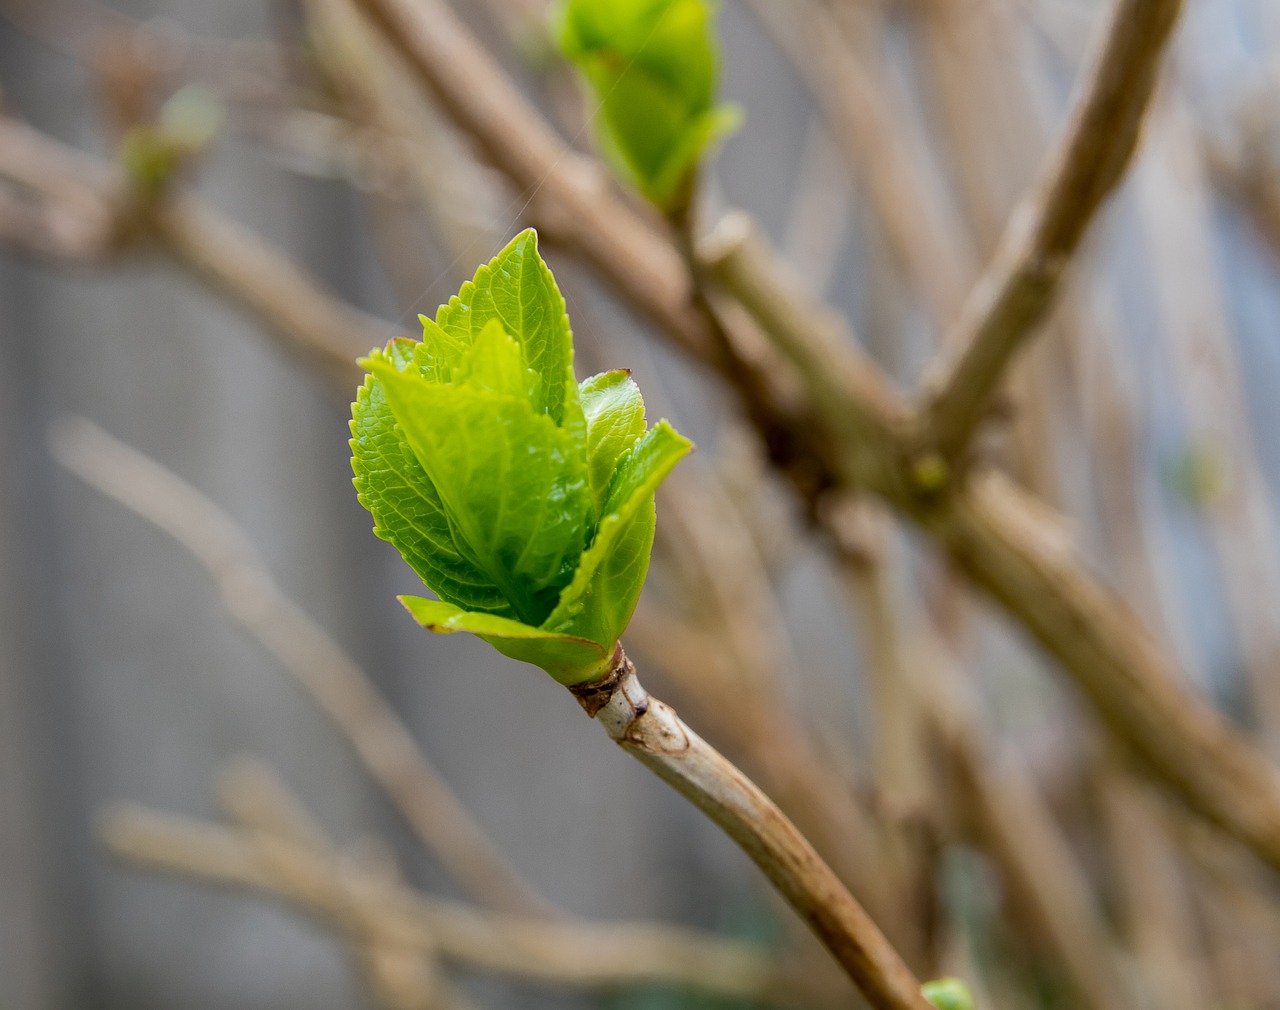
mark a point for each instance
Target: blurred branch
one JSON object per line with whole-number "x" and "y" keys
{"x": 315, "y": 661}
{"x": 722, "y": 643}
{"x": 1019, "y": 286}
{"x": 1175, "y": 214}
{"x": 268, "y": 284}
{"x": 58, "y": 202}
{"x": 89, "y": 215}
{"x": 993, "y": 534}
{"x": 399, "y": 977}
{"x": 995, "y": 797}
{"x": 1014, "y": 548}
{"x": 567, "y": 195}
{"x": 1245, "y": 161}
{"x": 1152, "y": 905}
{"x": 861, "y": 109}
{"x": 583, "y": 956}
{"x": 46, "y": 231}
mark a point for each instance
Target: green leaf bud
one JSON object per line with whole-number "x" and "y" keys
{"x": 948, "y": 994}
{"x": 523, "y": 499}
{"x": 651, "y": 65}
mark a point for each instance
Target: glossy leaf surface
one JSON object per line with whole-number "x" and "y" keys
{"x": 652, "y": 67}
{"x": 523, "y": 500}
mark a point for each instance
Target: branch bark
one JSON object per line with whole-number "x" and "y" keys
{"x": 651, "y": 732}
{"x": 315, "y": 661}
{"x": 82, "y": 213}
{"x": 1005, "y": 544}
{"x": 1188, "y": 745}
{"x": 1018, "y": 288}
{"x": 574, "y": 955}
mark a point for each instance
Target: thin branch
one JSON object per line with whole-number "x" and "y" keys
{"x": 1009, "y": 545}
{"x": 589, "y": 956}
{"x": 315, "y": 661}
{"x": 1176, "y": 216}
{"x": 780, "y": 754}
{"x": 857, "y": 399}
{"x": 1019, "y": 286}
{"x": 89, "y": 215}
{"x": 652, "y": 733}
{"x": 998, "y": 798}
{"x": 988, "y": 532}
{"x": 46, "y": 231}
{"x": 568, "y": 195}
{"x": 992, "y": 534}
{"x": 237, "y": 263}
{"x": 254, "y": 796}
{"x": 860, "y": 108}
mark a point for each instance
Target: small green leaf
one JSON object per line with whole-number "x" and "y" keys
{"x": 406, "y": 509}
{"x": 948, "y": 994}
{"x": 494, "y": 363}
{"x": 652, "y": 66}
{"x": 517, "y": 290}
{"x": 535, "y": 534}
{"x": 614, "y": 411}
{"x": 598, "y": 604}
{"x": 568, "y": 659}
{"x": 513, "y": 485}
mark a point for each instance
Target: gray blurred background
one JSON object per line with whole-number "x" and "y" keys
{"x": 123, "y": 679}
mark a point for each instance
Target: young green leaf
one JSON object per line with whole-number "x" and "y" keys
{"x": 568, "y": 659}
{"x": 516, "y": 289}
{"x": 614, "y": 411}
{"x": 494, "y": 363}
{"x": 598, "y": 604}
{"x": 652, "y": 66}
{"x": 523, "y": 500}
{"x": 407, "y": 511}
{"x": 513, "y": 485}
{"x": 948, "y": 994}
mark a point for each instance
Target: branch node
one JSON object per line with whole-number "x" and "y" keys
{"x": 596, "y": 694}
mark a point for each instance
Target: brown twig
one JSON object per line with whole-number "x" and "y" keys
{"x": 568, "y": 195}
{"x": 237, "y": 263}
{"x": 985, "y": 529}
{"x": 1019, "y": 286}
{"x": 651, "y": 732}
{"x": 88, "y": 215}
{"x": 399, "y": 978}
{"x": 859, "y": 107}
{"x": 1174, "y": 211}
{"x": 997, "y": 798}
{"x": 1008, "y": 545}
{"x": 991, "y": 536}
{"x": 573, "y": 955}
{"x": 314, "y": 660}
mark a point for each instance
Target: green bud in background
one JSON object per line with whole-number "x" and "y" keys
{"x": 522, "y": 498}
{"x": 948, "y": 994}
{"x": 652, "y": 67}
{"x": 152, "y": 154}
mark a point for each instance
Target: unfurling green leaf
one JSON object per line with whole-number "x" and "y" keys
{"x": 522, "y": 499}
{"x": 652, "y": 67}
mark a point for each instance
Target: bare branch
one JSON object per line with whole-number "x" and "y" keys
{"x": 1019, "y": 286}
{"x": 860, "y": 108}
{"x": 236, "y": 262}
{"x": 577, "y": 955}
{"x": 651, "y": 732}
{"x": 84, "y": 213}
{"x": 315, "y": 661}
{"x": 1008, "y": 546}
{"x": 993, "y": 536}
